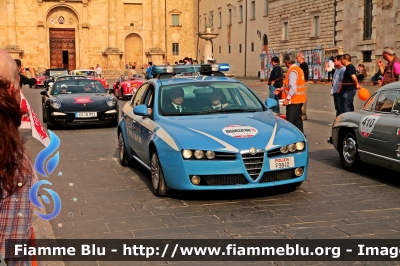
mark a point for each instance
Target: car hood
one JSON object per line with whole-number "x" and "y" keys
{"x": 261, "y": 130}
{"x": 90, "y": 99}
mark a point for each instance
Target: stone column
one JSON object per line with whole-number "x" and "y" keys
{"x": 11, "y": 44}
{"x": 112, "y": 53}
{"x": 11, "y": 23}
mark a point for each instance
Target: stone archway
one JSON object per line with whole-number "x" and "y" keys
{"x": 134, "y": 50}
{"x": 265, "y": 43}
{"x": 62, "y": 24}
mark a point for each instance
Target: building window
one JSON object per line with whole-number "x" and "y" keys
{"x": 240, "y": 48}
{"x": 230, "y": 17}
{"x": 240, "y": 13}
{"x": 205, "y": 24}
{"x": 175, "y": 48}
{"x": 285, "y": 31}
{"x": 367, "y": 19}
{"x": 219, "y": 49}
{"x": 211, "y": 20}
{"x": 175, "y": 20}
{"x": 266, "y": 13}
{"x": 367, "y": 56}
{"x": 253, "y": 9}
{"x": 252, "y": 46}
{"x": 229, "y": 49}
{"x": 220, "y": 20}
{"x": 316, "y": 26}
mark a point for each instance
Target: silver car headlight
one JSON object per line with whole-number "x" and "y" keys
{"x": 56, "y": 104}
{"x": 187, "y": 154}
{"x": 111, "y": 101}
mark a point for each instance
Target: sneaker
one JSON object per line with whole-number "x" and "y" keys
{"x": 276, "y": 114}
{"x": 330, "y": 124}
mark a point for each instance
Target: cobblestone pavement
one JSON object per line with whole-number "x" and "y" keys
{"x": 115, "y": 202}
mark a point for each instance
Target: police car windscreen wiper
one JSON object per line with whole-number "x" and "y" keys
{"x": 237, "y": 110}
{"x": 177, "y": 113}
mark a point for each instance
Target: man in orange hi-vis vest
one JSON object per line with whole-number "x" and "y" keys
{"x": 293, "y": 91}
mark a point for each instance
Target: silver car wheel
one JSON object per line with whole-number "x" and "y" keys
{"x": 349, "y": 150}
{"x": 155, "y": 177}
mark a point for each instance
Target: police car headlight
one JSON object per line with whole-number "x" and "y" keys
{"x": 284, "y": 149}
{"x": 300, "y": 145}
{"x": 187, "y": 154}
{"x": 198, "y": 154}
{"x": 111, "y": 101}
{"x": 56, "y": 104}
{"x": 292, "y": 147}
{"x": 210, "y": 155}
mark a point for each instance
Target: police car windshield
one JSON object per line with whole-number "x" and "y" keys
{"x": 77, "y": 86}
{"x": 207, "y": 98}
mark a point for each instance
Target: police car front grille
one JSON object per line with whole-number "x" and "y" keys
{"x": 223, "y": 180}
{"x": 253, "y": 163}
{"x": 277, "y": 176}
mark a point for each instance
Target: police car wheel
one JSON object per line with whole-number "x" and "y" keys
{"x": 122, "y": 153}
{"x": 157, "y": 177}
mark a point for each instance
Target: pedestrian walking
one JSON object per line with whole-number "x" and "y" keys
{"x": 391, "y": 72}
{"x": 275, "y": 81}
{"x": 293, "y": 91}
{"x": 350, "y": 83}
{"x": 304, "y": 66}
{"x": 330, "y": 68}
{"x": 99, "y": 70}
{"x": 336, "y": 90}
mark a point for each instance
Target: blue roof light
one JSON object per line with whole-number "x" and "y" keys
{"x": 223, "y": 67}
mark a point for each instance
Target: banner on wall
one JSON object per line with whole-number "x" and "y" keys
{"x": 262, "y": 65}
{"x": 317, "y": 63}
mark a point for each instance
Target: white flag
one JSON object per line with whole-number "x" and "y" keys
{"x": 30, "y": 120}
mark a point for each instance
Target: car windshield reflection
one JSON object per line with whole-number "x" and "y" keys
{"x": 208, "y": 98}
{"x": 77, "y": 86}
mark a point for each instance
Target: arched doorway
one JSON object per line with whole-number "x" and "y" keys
{"x": 62, "y": 23}
{"x": 265, "y": 43}
{"x": 134, "y": 50}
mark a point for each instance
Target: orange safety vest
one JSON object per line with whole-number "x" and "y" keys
{"x": 300, "y": 95}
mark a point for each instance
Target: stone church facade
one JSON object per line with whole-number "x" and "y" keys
{"x": 82, "y": 33}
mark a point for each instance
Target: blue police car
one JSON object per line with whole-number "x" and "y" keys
{"x": 195, "y": 129}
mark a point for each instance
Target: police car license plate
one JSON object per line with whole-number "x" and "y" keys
{"x": 281, "y": 163}
{"x": 86, "y": 115}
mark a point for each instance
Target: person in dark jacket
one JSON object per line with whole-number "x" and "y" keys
{"x": 303, "y": 65}
{"x": 22, "y": 74}
{"x": 275, "y": 81}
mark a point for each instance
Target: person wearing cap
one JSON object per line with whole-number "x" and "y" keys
{"x": 64, "y": 88}
{"x": 210, "y": 61}
{"x": 22, "y": 74}
{"x": 215, "y": 101}
{"x": 176, "y": 104}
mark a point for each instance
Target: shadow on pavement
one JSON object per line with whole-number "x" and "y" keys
{"x": 379, "y": 174}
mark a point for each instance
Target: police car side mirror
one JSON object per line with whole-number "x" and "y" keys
{"x": 270, "y": 103}
{"x": 141, "y": 110}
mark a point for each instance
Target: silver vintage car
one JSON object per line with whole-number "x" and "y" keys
{"x": 372, "y": 134}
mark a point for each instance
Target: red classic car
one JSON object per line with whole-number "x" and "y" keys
{"x": 126, "y": 87}
{"x": 90, "y": 74}
{"x": 40, "y": 78}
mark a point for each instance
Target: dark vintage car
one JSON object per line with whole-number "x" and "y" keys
{"x": 40, "y": 78}
{"x": 125, "y": 87}
{"x": 370, "y": 135}
{"x": 78, "y": 101}
{"x": 52, "y": 74}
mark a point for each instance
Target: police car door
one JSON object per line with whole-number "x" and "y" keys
{"x": 132, "y": 121}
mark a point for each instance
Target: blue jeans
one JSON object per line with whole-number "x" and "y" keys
{"x": 338, "y": 100}
{"x": 348, "y": 97}
{"x": 273, "y": 96}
